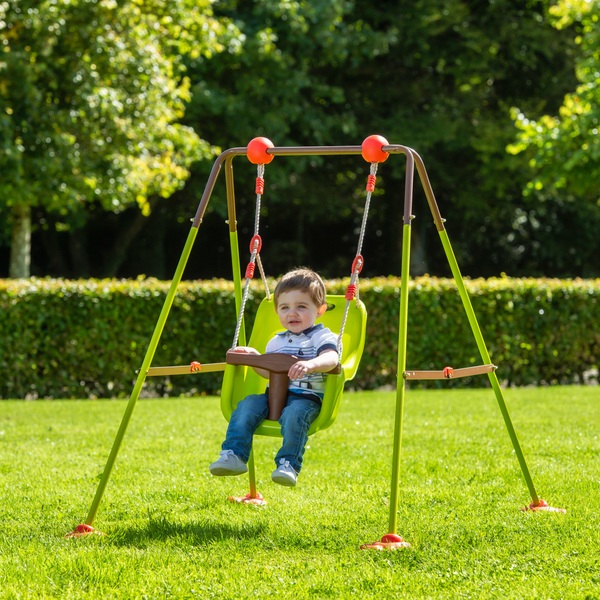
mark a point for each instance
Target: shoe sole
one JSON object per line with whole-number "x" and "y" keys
{"x": 223, "y": 472}
{"x": 283, "y": 480}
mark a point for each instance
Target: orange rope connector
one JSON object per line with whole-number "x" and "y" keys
{"x": 357, "y": 263}
{"x": 250, "y": 271}
{"x": 255, "y": 243}
{"x": 351, "y": 291}
{"x": 260, "y": 185}
{"x": 448, "y": 372}
{"x": 371, "y": 179}
{"x": 195, "y": 366}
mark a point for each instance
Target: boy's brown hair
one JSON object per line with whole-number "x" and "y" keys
{"x": 304, "y": 280}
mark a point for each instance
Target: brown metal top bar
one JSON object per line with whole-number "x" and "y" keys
{"x": 313, "y": 150}
{"x": 330, "y": 150}
{"x": 412, "y": 157}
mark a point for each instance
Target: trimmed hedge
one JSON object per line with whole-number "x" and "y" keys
{"x": 74, "y": 339}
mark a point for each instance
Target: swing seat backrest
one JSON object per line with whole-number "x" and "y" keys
{"x": 240, "y": 381}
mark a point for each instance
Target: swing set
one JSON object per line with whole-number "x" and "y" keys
{"x": 345, "y": 314}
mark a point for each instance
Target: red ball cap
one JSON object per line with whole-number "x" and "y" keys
{"x": 372, "y": 149}
{"x": 257, "y": 151}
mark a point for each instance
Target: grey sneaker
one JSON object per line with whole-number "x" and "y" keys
{"x": 228, "y": 464}
{"x": 284, "y": 474}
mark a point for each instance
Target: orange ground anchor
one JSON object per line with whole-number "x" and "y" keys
{"x": 82, "y": 530}
{"x": 390, "y": 541}
{"x": 255, "y": 499}
{"x": 542, "y": 505}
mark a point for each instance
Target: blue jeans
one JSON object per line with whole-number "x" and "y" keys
{"x": 295, "y": 420}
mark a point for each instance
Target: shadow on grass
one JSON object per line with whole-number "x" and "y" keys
{"x": 197, "y": 533}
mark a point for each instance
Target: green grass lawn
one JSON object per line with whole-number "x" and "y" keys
{"x": 171, "y": 533}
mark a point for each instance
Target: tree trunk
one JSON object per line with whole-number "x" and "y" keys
{"x": 20, "y": 250}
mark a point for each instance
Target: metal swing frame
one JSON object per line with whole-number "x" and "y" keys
{"x": 413, "y": 161}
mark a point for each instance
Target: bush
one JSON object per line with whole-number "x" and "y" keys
{"x": 537, "y": 331}
{"x": 74, "y": 339}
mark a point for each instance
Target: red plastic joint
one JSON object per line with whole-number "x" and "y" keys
{"x": 255, "y": 243}
{"x": 195, "y": 366}
{"x": 391, "y": 537}
{"x": 357, "y": 263}
{"x": 82, "y": 530}
{"x": 448, "y": 372}
{"x": 390, "y": 541}
{"x": 371, "y": 179}
{"x": 256, "y": 499}
{"x": 250, "y": 271}
{"x": 351, "y": 291}
{"x": 542, "y": 505}
{"x": 260, "y": 185}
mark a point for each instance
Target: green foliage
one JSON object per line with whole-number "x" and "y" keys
{"x": 87, "y": 338}
{"x": 91, "y": 93}
{"x": 437, "y": 76}
{"x": 538, "y": 331}
{"x": 92, "y": 121}
{"x": 565, "y": 148}
{"x": 171, "y": 533}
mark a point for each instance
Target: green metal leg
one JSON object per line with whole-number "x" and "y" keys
{"x": 252, "y": 475}
{"x": 141, "y": 376}
{"x": 253, "y": 496}
{"x": 400, "y": 381}
{"x": 487, "y": 360}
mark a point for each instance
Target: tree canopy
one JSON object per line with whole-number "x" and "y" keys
{"x": 110, "y": 107}
{"x": 565, "y": 147}
{"x": 559, "y": 214}
{"x": 440, "y": 77}
{"x": 92, "y": 93}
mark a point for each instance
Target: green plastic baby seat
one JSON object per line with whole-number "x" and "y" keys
{"x": 240, "y": 381}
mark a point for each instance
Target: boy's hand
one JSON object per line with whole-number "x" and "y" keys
{"x": 245, "y": 350}
{"x": 299, "y": 369}
{"x": 322, "y": 363}
{"x": 250, "y": 350}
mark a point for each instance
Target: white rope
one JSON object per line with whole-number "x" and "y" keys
{"x": 238, "y": 326}
{"x": 260, "y": 171}
{"x": 254, "y": 259}
{"x": 359, "y": 265}
{"x": 373, "y": 173}
{"x": 263, "y": 277}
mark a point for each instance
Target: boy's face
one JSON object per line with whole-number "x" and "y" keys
{"x": 297, "y": 311}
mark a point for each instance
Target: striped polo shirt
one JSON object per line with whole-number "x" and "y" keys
{"x": 305, "y": 345}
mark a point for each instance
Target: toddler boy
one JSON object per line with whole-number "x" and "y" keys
{"x": 299, "y": 299}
